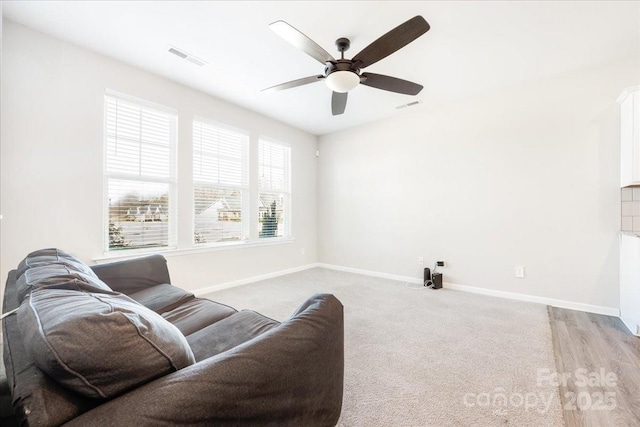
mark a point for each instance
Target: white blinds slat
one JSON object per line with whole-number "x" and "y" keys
{"x": 273, "y": 166}
{"x": 220, "y": 174}
{"x": 140, "y": 145}
{"x": 140, "y": 140}
{"x": 220, "y": 156}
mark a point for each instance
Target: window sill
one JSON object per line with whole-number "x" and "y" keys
{"x": 169, "y": 252}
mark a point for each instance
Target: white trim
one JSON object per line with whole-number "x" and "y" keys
{"x": 597, "y": 309}
{"x": 145, "y": 102}
{"x": 635, "y": 331}
{"x": 169, "y": 252}
{"x": 607, "y": 311}
{"x": 371, "y": 273}
{"x": 203, "y": 291}
{"x": 626, "y": 92}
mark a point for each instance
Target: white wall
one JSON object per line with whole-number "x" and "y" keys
{"x": 51, "y": 154}
{"x": 527, "y": 176}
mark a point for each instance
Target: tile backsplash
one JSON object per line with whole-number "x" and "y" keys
{"x": 630, "y": 209}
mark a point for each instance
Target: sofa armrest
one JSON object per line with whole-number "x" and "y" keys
{"x": 291, "y": 375}
{"x": 133, "y": 275}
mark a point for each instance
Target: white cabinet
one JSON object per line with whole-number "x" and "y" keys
{"x": 630, "y": 137}
{"x": 630, "y": 282}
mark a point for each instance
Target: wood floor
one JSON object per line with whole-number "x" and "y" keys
{"x": 603, "y": 360}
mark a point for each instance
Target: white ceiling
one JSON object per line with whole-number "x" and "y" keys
{"x": 472, "y": 47}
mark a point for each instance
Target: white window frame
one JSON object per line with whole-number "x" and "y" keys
{"x": 286, "y": 190}
{"x": 244, "y": 187}
{"x": 171, "y": 180}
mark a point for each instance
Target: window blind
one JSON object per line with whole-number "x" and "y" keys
{"x": 273, "y": 166}
{"x": 221, "y": 180}
{"x": 140, "y": 173}
{"x": 274, "y": 188}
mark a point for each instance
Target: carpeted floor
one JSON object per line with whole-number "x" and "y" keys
{"x": 424, "y": 357}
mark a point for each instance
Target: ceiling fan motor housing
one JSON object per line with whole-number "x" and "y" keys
{"x": 341, "y": 65}
{"x": 341, "y": 76}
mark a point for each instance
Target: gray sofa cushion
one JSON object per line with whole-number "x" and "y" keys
{"x": 53, "y": 256}
{"x": 58, "y": 276}
{"x": 54, "y": 268}
{"x": 197, "y": 314}
{"x": 133, "y": 275}
{"x": 99, "y": 345}
{"x": 229, "y": 333}
{"x": 161, "y": 298}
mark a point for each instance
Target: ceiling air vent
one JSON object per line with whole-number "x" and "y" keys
{"x": 186, "y": 56}
{"x": 411, "y": 104}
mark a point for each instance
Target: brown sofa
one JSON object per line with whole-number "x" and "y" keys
{"x": 117, "y": 344}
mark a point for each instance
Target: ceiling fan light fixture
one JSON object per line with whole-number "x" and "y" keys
{"x": 342, "y": 81}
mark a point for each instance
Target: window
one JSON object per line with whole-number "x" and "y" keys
{"x": 140, "y": 174}
{"x": 220, "y": 183}
{"x": 274, "y": 179}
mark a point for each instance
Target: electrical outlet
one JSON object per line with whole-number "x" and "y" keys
{"x": 519, "y": 271}
{"x": 440, "y": 263}
{"x": 420, "y": 260}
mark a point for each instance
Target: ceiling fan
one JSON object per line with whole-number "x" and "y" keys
{"x": 342, "y": 75}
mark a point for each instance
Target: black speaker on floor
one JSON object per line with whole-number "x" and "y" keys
{"x": 426, "y": 280}
{"x": 437, "y": 280}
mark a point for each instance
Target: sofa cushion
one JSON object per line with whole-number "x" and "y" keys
{"x": 229, "y": 333}
{"x": 197, "y": 314}
{"x": 57, "y": 276}
{"x": 161, "y": 298}
{"x": 99, "y": 345}
{"x": 54, "y": 268}
{"x": 133, "y": 275}
{"x": 53, "y": 256}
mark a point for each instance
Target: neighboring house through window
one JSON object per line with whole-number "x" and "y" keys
{"x": 140, "y": 174}
{"x": 274, "y": 177}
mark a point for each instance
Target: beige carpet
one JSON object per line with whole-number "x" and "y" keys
{"x": 424, "y": 357}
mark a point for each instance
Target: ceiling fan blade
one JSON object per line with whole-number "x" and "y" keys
{"x": 338, "y": 103}
{"x": 392, "y": 84}
{"x": 301, "y": 41}
{"x": 294, "y": 83}
{"x": 394, "y": 40}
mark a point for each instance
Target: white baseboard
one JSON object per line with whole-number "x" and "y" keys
{"x": 608, "y": 311}
{"x": 227, "y": 285}
{"x": 370, "y": 273}
{"x": 571, "y": 305}
{"x": 635, "y": 330}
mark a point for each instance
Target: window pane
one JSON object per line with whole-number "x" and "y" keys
{"x": 274, "y": 183}
{"x": 138, "y": 214}
{"x": 221, "y": 178}
{"x": 140, "y": 169}
{"x": 139, "y": 139}
{"x": 272, "y": 215}
{"x": 273, "y": 166}
{"x": 218, "y": 214}
{"x": 220, "y": 155}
